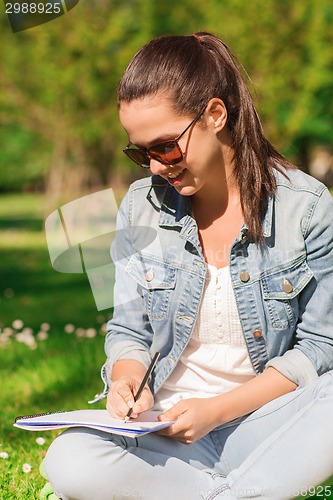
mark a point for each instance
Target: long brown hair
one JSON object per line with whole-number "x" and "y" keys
{"x": 192, "y": 70}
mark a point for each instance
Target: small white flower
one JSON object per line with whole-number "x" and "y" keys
{"x": 103, "y": 329}
{"x": 42, "y": 335}
{"x": 91, "y": 333}
{"x": 45, "y": 327}
{"x": 80, "y": 332}
{"x": 69, "y": 328}
{"x": 27, "y": 331}
{"x": 20, "y": 338}
{"x": 26, "y": 337}
{"x": 26, "y": 468}
{"x": 8, "y": 331}
{"x": 3, "y": 454}
{"x": 17, "y": 324}
{"x": 40, "y": 441}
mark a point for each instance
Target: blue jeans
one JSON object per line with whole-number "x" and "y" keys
{"x": 278, "y": 452}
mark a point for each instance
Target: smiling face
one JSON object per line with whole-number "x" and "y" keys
{"x": 152, "y": 120}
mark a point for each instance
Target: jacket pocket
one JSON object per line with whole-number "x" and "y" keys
{"x": 156, "y": 279}
{"x": 281, "y": 288}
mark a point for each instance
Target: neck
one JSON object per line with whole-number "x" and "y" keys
{"x": 220, "y": 191}
{"x": 220, "y": 194}
{"x": 216, "y": 206}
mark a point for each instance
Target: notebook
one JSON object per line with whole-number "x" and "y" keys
{"x": 95, "y": 419}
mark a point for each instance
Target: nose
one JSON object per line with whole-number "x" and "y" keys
{"x": 157, "y": 168}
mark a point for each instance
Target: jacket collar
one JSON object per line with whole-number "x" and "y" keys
{"x": 176, "y": 209}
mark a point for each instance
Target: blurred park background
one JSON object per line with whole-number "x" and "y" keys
{"x": 60, "y": 139}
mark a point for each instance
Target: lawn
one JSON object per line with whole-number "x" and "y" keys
{"x": 51, "y": 341}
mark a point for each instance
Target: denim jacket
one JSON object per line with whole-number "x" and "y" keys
{"x": 283, "y": 288}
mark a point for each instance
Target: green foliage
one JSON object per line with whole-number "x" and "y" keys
{"x": 23, "y": 160}
{"x": 58, "y": 80}
{"x": 286, "y": 47}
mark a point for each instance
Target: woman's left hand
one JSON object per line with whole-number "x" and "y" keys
{"x": 194, "y": 418}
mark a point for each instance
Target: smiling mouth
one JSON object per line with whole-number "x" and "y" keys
{"x": 174, "y": 176}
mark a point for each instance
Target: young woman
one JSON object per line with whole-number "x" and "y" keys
{"x": 224, "y": 263}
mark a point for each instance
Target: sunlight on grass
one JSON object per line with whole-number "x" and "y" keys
{"x": 21, "y": 221}
{"x": 19, "y": 205}
{"x": 61, "y": 374}
{"x": 13, "y": 239}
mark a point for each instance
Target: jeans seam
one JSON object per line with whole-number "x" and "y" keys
{"x": 220, "y": 489}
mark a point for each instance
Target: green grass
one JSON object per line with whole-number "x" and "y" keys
{"x": 59, "y": 374}
{"x": 63, "y": 371}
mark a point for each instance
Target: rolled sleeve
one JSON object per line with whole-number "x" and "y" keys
{"x": 126, "y": 349}
{"x": 296, "y": 366}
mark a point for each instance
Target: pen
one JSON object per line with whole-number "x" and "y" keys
{"x": 143, "y": 383}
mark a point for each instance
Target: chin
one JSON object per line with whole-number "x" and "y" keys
{"x": 186, "y": 190}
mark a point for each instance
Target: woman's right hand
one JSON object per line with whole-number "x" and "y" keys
{"x": 121, "y": 398}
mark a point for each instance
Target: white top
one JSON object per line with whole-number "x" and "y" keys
{"x": 216, "y": 359}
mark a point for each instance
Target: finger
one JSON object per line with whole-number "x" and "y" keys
{"x": 178, "y": 433}
{"x": 173, "y": 413}
{"x": 177, "y": 437}
{"x": 117, "y": 400}
{"x": 117, "y": 407}
{"x": 125, "y": 390}
{"x": 178, "y": 428}
{"x": 120, "y": 401}
{"x": 144, "y": 402}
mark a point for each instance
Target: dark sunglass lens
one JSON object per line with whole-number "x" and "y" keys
{"x": 138, "y": 157}
{"x": 167, "y": 152}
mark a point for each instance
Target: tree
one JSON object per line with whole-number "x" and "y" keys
{"x": 58, "y": 81}
{"x": 286, "y": 48}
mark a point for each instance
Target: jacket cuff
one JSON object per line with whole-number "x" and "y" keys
{"x": 126, "y": 349}
{"x": 296, "y": 366}
{"x": 121, "y": 350}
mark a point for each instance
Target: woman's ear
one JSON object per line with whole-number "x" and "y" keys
{"x": 217, "y": 114}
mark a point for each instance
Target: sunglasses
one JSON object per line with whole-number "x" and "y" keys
{"x": 166, "y": 152}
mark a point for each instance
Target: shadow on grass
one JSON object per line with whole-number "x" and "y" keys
{"x": 34, "y": 225}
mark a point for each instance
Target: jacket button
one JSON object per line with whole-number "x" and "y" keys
{"x": 244, "y": 276}
{"x": 257, "y": 333}
{"x": 149, "y": 276}
{"x": 287, "y": 287}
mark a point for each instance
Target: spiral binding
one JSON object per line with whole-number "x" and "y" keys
{"x": 23, "y": 417}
